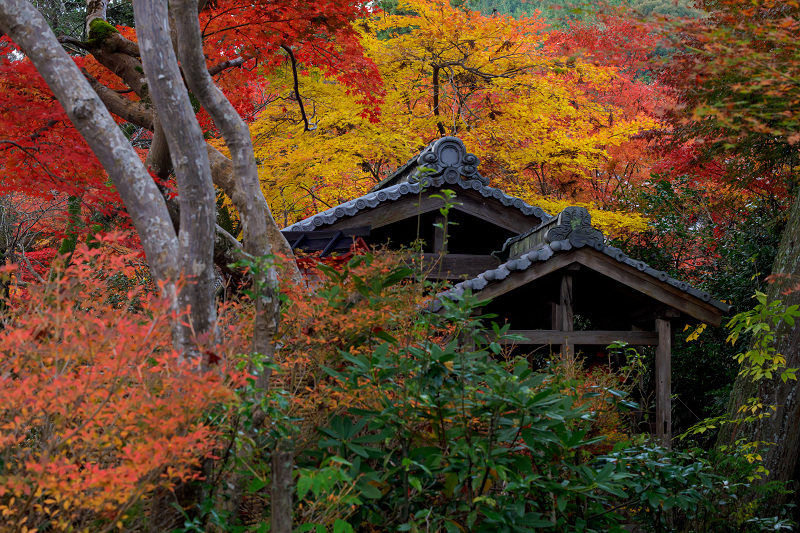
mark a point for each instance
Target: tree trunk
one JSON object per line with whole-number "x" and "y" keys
{"x": 782, "y": 427}
{"x": 192, "y": 171}
{"x": 247, "y": 195}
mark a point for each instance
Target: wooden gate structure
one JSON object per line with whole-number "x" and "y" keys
{"x": 545, "y": 274}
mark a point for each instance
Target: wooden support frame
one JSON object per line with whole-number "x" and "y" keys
{"x": 672, "y": 297}
{"x": 664, "y": 382}
{"x": 566, "y": 317}
{"x": 440, "y": 235}
{"x": 663, "y": 293}
{"x": 573, "y": 338}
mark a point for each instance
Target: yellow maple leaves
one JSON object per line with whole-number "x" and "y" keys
{"x": 533, "y": 118}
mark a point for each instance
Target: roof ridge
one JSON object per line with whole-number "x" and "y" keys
{"x": 544, "y": 251}
{"x": 395, "y": 192}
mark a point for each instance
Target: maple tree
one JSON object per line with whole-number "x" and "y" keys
{"x": 135, "y": 76}
{"x": 736, "y": 75}
{"x": 542, "y": 119}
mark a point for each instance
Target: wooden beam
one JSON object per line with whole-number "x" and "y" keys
{"x": 493, "y": 210}
{"x": 555, "y": 316}
{"x": 545, "y": 336}
{"x": 646, "y": 284}
{"x": 565, "y": 310}
{"x": 565, "y": 303}
{"x": 440, "y": 235}
{"x": 533, "y": 272}
{"x": 390, "y": 212}
{"x": 457, "y": 266}
{"x": 664, "y": 383}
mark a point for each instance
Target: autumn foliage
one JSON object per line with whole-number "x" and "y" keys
{"x": 550, "y": 125}
{"x": 97, "y": 408}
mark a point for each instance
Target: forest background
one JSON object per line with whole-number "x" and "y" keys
{"x": 673, "y": 122}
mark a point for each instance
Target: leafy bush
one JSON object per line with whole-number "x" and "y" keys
{"x": 690, "y": 491}
{"x": 449, "y": 438}
{"x": 97, "y": 409}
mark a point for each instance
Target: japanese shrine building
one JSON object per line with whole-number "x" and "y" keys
{"x": 540, "y": 271}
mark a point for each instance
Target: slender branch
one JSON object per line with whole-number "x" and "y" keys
{"x": 40, "y": 131}
{"x": 219, "y": 67}
{"x": 297, "y": 87}
{"x": 439, "y": 124}
{"x": 29, "y": 153}
{"x": 74, "y": 41}
{"x": 32, "y": 137}
{"x": 30, "y": 267}
{"x": 228, "y": 237}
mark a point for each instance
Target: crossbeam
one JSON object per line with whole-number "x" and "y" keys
{"x": 572, "y": 338}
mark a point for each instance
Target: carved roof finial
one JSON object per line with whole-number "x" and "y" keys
{"x": 447, "y": 157}
{"x": 575, "y": 225}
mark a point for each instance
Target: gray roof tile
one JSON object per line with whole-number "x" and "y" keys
{"x": 395, "y": 192}
{"x": 545, "y": 251}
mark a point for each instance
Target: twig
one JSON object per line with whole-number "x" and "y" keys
{"x": 30, "y": 267}
{"x": 28, "y": 152}
{"x": 297, "y": 87}
{"x": 228, "y": 237}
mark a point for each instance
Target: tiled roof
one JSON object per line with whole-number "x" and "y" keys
{"x": 444, "y": 161}
{"x": 571, "y": 229}
{"x": 395, "y": 192}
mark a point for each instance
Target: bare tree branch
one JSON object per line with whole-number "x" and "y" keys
{"x": 219, "y": 67}
{"x": 297, "y": 87}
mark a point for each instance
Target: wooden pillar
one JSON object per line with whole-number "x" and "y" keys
{"x": 664, "y": 382}
{"x": 440, "y": 235}
{"x": 555, "y": 316}
{"x": 282, "y": 490}
{"x": 565, "y": 318}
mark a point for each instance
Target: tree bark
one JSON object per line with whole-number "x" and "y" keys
{"x": 247, "y": 195}
{"x": 192, "y": 171}
{"x": 281, "y": 512}
{"x": 782, "y": 427}
{"x": 95, "y": 9}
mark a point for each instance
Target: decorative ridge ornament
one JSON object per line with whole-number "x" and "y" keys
{"x": 447, "y": 157}
{"x": 573, "y": 224}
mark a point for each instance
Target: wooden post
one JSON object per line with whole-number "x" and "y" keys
{"x": 440, "y": 235}
{"x": 555, "y": 316}
{"x": 282, "y": 508}
{"x": 565, "y": 310}
{"x": 664, "y": 383}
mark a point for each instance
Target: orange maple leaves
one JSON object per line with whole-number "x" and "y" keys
{"x": 96, "y": 408}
